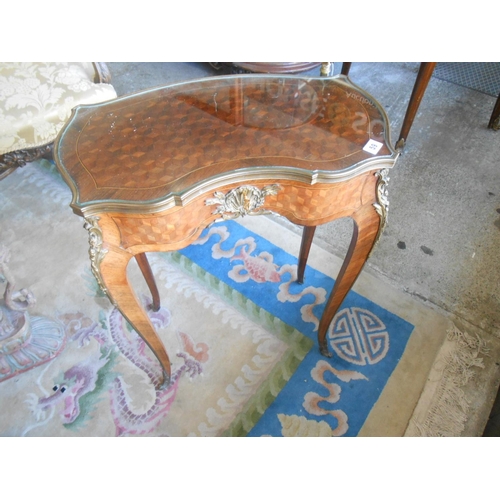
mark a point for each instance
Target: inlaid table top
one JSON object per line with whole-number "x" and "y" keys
{"x": 153, "y": 146}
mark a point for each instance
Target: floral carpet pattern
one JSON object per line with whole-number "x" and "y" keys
{"x": 240, "y": 331}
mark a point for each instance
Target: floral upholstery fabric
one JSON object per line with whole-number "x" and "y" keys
{"x": 36, "y": 100}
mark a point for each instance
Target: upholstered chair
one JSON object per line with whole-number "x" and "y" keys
{"x": 36, "y": 100}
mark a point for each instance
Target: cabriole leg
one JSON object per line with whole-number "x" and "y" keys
{"x": 113, "y": 272}
{"x": 109, "y": 266}
{"x": 366, "y": 228}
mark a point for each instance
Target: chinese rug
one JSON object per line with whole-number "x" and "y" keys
{"x": 239, "y": 329}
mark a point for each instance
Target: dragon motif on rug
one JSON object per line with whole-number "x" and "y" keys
{"x": 76, "y": 393}
{"x": 126, "y": 421}
{"x": 77, "y": 381}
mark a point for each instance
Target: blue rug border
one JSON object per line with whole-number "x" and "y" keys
{"x": 358, "y": 396}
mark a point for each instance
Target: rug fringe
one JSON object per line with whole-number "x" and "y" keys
{"x": 446, "y": 414}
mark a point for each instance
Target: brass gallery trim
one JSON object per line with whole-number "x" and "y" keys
{"x": 245, "y": 175}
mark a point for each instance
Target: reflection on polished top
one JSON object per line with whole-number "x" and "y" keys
{"x": 148, "y": 146}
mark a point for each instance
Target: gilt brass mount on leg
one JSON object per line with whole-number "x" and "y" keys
{"x": 96, "y": 252}
{"x": 382, "y": 204}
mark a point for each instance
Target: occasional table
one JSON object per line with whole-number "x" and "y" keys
{"x": 149, "y": 171}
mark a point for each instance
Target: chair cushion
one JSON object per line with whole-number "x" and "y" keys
{"x": 36, "y": 100}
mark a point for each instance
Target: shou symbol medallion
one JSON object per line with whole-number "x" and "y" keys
{"x": 359, "y": 336}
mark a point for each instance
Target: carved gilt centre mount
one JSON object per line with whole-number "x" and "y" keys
{"x": 241, "y": 201}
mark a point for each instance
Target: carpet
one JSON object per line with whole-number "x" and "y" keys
{"x": 241, "y": 334}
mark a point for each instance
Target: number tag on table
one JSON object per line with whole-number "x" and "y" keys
{"x": 372, "y": 147}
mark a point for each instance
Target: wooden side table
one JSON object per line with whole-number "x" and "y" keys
{"x": 150, "y": 171}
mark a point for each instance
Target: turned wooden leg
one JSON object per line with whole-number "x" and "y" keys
{"x": 113, "y": 274}
{"x": 366, "y": 227}
{"x": 423, "y": 77}
{"x": 305, "y": 246}
{"x": 145, "y": 268}
{"x": 346, "y": 66}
